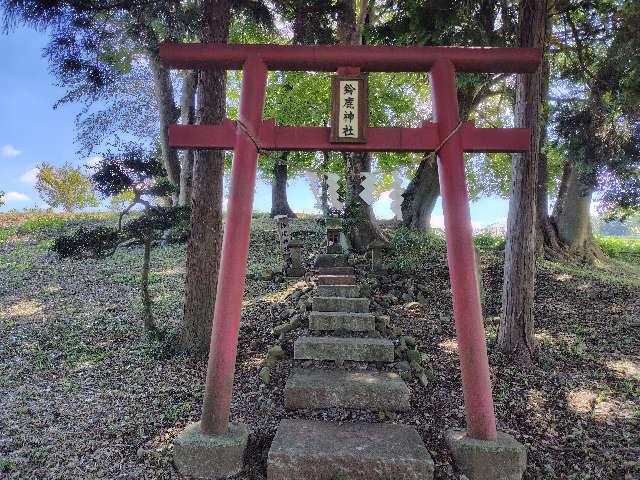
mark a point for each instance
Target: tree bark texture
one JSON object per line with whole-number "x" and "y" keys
{"x": 515, "y": 336}
{"x": 421, "y": 195}
{"x": 360, "y": 226}
{"x": 572, "y": 215}
{"x": 279, "y": 201}
{"x": 187, "y": 116}
{"x": 205, "y": 241}
{"x": 163, "y": 89}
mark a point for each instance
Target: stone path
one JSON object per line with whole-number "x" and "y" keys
{"x": 315, "y": 450}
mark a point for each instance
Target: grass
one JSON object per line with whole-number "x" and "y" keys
{"x": 620, "y": 248}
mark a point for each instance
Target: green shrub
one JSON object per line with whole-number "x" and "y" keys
{"x": 620, "y": 248}
{"x": 410, "y": 250}
{"x": 42, "y": 225}
{"x": 486, "y": 241}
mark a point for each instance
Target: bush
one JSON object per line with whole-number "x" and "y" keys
{"x": 97, "y": 242}
{"x": 620, "y": 248}
{"x": 409, "y": 250}
{"x": 486, "y": 241}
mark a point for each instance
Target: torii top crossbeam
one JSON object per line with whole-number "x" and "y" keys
{"x": 447, "y": 135}
{"x": 326, "y": 58}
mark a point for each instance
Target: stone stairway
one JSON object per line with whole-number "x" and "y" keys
{"x": 316, "y": 450}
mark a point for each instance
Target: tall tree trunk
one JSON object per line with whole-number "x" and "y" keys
{"x": 147, "y": 313}
{"x": 515, "y": 336}
{"x": 163, "y": 89}
{"x": 188, "y": 116}
{"x": 573, "y": 215}
{"x": 361, "y": 229}
{"x": 324, "y": 185}
{"x": 279, "y": 201}
{"x": 360, "y": 226}
{"x": 546, "y": 234}
{"x": 421, "y": 195}
{"x": 205, "y": 242}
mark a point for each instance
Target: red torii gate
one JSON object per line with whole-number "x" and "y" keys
{"x": 452, "y": 139}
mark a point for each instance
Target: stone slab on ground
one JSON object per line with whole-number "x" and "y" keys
{"x": 312, "y": 450}
{"x": 503, "y": 459}
{"x": 340, "y": 304}
{"x": 349, "y": 291}
{"x": 336, "y": 280}
{"x": 343, "y": 348}
{"x": 352, "y": 322}
{"x": 215, "y": 456}
{"x": 335, "y": 271}
{"x": 375, "y": 391}
{"x": 332, "y": 260}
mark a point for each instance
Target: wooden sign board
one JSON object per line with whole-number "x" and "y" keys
{"x": 349, "y": 109}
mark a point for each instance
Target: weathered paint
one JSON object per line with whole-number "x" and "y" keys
{"x": 235, "y": 246}
{"x": 472, "y": 348}
{"x": 325, "y": 58}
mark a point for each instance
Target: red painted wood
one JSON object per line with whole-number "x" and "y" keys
{"x": 235, "y": 246}
{"x": 325, "y": 58}
{"x": 472, "y": 349}
{"x": 443, "y": 63}
{"x": 279, "y": 138}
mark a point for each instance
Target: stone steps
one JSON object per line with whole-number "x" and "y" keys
{"x": 359, "y": 390}
{"x": 335, "y": 271}
{"x": 329, "y": 260}
{"x": 336, "y": 280}
{"x": 343, "y": 348}
{"x": 349, "y": 291}
{"x": 312, "y": 450}
{"x": 340, "y": 304}
{"x": 352, "y": 322}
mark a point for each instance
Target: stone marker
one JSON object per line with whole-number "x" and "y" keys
{"x": 373, "y": 391}
{"x": 296, "y": 268}
{"x": 504, "y": 459}
{"x": 312, "y": 450}
{"x": 211, "y": 457}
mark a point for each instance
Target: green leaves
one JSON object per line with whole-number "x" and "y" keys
{"x": 65, "y": 187}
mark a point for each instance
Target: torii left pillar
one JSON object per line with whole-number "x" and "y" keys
{"x": 213, "y": 447}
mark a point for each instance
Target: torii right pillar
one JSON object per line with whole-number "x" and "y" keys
{"x": 480, "y": 452}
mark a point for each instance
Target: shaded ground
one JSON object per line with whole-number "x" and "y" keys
{"x": 84, "y": 395}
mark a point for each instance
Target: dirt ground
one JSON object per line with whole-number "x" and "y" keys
{"x": 84, "y": 394}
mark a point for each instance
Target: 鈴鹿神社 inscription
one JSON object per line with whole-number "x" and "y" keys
{"x": 349, "y": 109}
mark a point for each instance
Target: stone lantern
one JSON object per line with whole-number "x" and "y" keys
{"x": 334, "y": 234}
{"x": 296, "y": 268}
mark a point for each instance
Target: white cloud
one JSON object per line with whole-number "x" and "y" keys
{"x": 15, "y": 197}
{"x": 9, "y": 151}
{"x": 30, "y": 176}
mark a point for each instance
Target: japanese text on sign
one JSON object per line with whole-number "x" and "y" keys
{"x": 348, "y": 109}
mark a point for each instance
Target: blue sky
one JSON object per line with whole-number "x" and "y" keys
{"x": 32, "y": 132}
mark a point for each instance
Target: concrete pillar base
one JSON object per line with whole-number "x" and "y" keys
{"x": 210, "y": 457}
{"x": 504, "y": 459}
